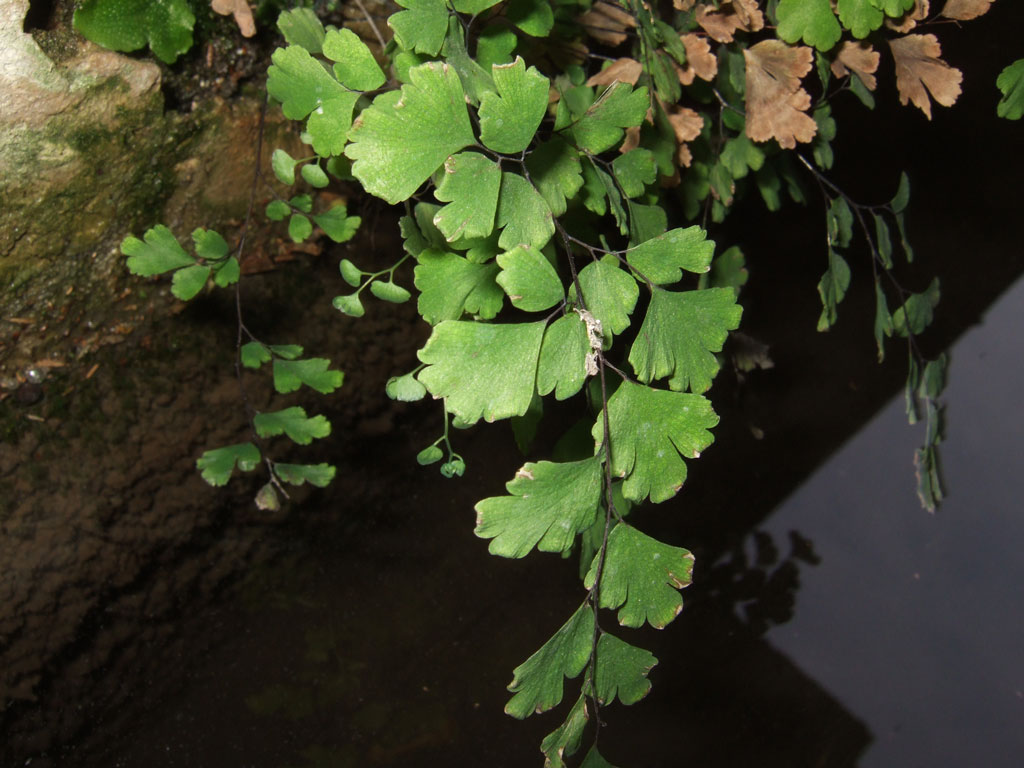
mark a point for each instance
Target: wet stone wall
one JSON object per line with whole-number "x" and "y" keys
{"x": 109, "y": 538}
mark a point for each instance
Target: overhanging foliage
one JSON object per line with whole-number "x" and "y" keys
{"x": 567, "y": 156}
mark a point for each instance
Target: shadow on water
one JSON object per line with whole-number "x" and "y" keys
{"x": 391, "y": 641}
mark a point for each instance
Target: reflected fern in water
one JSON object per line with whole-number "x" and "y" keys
{"x": 760, "y": 587}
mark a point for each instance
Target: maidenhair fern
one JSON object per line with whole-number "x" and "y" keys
{"x": 558, "y": 162}
{"x": 159, "y": 253}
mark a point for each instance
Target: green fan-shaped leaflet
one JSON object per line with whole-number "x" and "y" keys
{"x": 305, "y": 88}
{"x": 740, "y": 156}
{"x": 883, "y": 240}
{"x": 319, "y": 475}
{"x": 354, "y": 65}
{"x": 916, "y": 313}
{"x": 127, "y": 25}
{"x": 832, "y": 288}
{"x": 600, "y": 182}
{"x": 469, "y": 184}
{"x": 189, "y": 281}
{"x": 622, "y": 669}
{"x": 300, "y": 82}
{"x": 810, "y": 20}
{"x": 419, "y": 231}
{"x": 529, "y": 279}
{"x": 429, "y": 455}
{"x": 894, "y": 8}
{"x": 564, "y": 741}
{"x": 662, "y": 259}
{"x": 554, "y": 168}
{"x": 475, "y": 79}
{"x": 216, "y": 465}
{"x": 388, "y": 290}
{"x": 722, "y": 184}
{"x": 609, "y": 292}
{"x": 601, "y": 126}
{"x": 537, "y": 682}
{"x": 594, "y": 189}
{"x": 303, "y": 202}
{"x": 350, "y": 305}
{"x": 1011, "y": 83}
{"x": 209, "y": 245}
{"x": 840, "y": 223}
{"x": 479, "y": 250}
{"x": 680, "y": 335}
{"x": 483, "y": 369}
{"x": 494, "y": 45}
{"x": 646, "y": 221}
{"x": 159, "y": 251}
{"x": 649, "y": 429}
{"x": 406, "y": 388}
{"x": 350, "y": 273}
{"x": 901, "y": 199}
{"x": 300, "y": 26}
{"x": 834, "y": 283}
{"x": 451, "y": 285}
{"x": 643, "y": 576}
{"x": 861, "y": 17}
{"x": 509, "y": 118}
{"x": 547, "y": 506}
{"x": 294, "y": 423}
{"x": 254, "y": 354}
{"x": 821, "y": 147}
{"x": 337, "y": 224}
{"x": 562, "y": 365}
{"x": 422, "y": 27}
{"x": 729, "y": 270}
{"x": 283, "y": 166}
{"x": 523, "y": 214}
{"x": 396, "y": 145}
{"x": 329, "y": 123}
{"x": 278, "y": 210}
{"x": 226, "y": 272}
{"x": 289, "y": 375}
{"x": 299, "y": 227}
{"x": 634, "y": 170}
{"x": 534, "y": 17}
{"x": 883, "y": 320}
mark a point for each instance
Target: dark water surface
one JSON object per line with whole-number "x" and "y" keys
{"x": 915, "y": 623}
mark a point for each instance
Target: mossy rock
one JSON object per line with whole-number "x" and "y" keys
{"x": 88, "y": 154}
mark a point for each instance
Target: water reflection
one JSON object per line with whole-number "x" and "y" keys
{"x": 763, "y": 592}
{"x": 915, "y": 622}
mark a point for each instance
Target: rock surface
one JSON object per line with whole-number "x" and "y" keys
{"x": 88, "y": 154}
{"x": 110, "y": 388}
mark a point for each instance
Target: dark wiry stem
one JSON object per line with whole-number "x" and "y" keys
{"x": 242, "y": 330}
